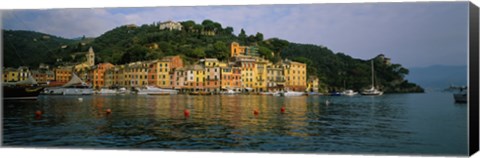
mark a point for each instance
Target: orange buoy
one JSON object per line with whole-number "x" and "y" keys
{"x": 255, "y": 112}
{"x": 186, "y": 113}
{"x": 38, "y": 113}
{"x": 282, "y": 110}
{"x": 108, "y": 111}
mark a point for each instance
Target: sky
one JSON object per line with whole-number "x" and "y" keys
{"x": 411, "y": 34}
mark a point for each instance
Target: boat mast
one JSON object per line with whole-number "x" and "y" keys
{"x": 373, "y": 83}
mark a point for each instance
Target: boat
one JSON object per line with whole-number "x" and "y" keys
{"x": 275, "y": 93}
{"x": 26, "y": 89}
{"x": 229, "y": 92}
{"x": 372, "y": 90}
{"x": 106, "y": 91}
{"x": 349, "y": 92}
{"x": 335, "y": 94}
{"x": 73, "y": 87}
{"x": 291, "y": 93}
{"x": 461, "y": 95}
{"x": 151, "y": 90}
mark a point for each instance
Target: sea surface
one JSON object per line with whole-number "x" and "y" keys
{"x": 406, "y": 124}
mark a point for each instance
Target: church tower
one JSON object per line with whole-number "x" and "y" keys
{"x": 90, "y": 57}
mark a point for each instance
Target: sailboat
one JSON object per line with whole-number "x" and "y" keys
{"x": 73, "y": 87}
{"x": 372, "y": 90}
{"x": 26, "y": 89}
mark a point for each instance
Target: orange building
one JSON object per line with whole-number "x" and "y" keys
{"x": 98, "y": 74}
{"x": 63, "y": 74}
{"x": 237, "y": 50}
{"x": 161, "y": 72}
{"x": 231, "y": 78}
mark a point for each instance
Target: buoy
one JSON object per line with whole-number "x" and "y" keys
{"x": 327, "y": 102}
{"x": 255, "y": 112}
{"x": 80, "y": 99}
{"x": 108, "y": 111}
{"x": 282, "y": 110}
{"x": 38, "y": 113}
{"x": 186, "y": 113}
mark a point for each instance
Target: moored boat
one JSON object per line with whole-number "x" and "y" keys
{"x": 26, "y": 89}
{"x": 229, "y": 92}
{"x": 150, "y": 90}
{"x": 372, "y": 90}
{"x": 291, "y": 93}
{"x": 73, "y": 87}
{"x": 349, "y": 92}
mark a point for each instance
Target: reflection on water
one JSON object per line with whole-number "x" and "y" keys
{"x": 396, "y": 124}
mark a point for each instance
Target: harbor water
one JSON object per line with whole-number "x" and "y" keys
{"x": 406, "y": 124}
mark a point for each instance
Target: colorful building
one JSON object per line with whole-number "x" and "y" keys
{"x": 237, "y": 50}
{"x": 43, "y": 76}
{"x": 312, "y": 84}
{"x": 261, "y": 76}
{"x": 179, "y": 78}
{"x": 136, "y": 74}
{"x": 161, "y": 72}
{"x": 10, "y": 75}
{"x": 212, "y": 76}
{"x": 295, "y": 75}
{"x": 90, "y": 56}
{"x": 63, "y": 74}
{"x": 248, "y": 71}
{"x": 275, "y": 77}
{"x": 98, "y": 75}
{"x": 231, "y": 78}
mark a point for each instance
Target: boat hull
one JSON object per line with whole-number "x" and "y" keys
{"x": 15, "y": 92}
{"x": 460, "y": 98}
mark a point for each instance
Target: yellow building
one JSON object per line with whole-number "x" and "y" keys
{"x": 312, "y": 84}
{"x": 90, "y": 56}
{"x": 248, "y": 72}
{"x": 114, "y": 77}
{"x": 14, "y": 75}
{"x": 261, "y": 75}
{"x": 136, "y": 74}
{"x": 295, "y": 75}
{"x": 159, "y": 74}
{"x": 10, "y": 75}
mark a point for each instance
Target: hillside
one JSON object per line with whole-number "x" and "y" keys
{"x": 210, "y": 39}
{"x": 339, "y": 71}
{"x": 30, "y": 48}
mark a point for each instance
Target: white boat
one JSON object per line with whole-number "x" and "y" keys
{"x": 150, "y": 90}
{"x": 123, "y": 90}
{"x": 229, "y": 92}
{"x": 349, "y": 92}
{"x": 276, "y": 93}
{"x": 291, "y": 93}
{"x": 73, "y": 87}
{"x": 372, "y": 90}
{"x": 107, "y": 91}
{"x": 461, "y": 95}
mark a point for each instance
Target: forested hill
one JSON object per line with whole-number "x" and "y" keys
{"x": 210, "y": 39}
{"x": 29, "y": 48}
{"x": 339, "y": 71}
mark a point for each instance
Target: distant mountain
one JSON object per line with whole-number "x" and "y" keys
{"x": 438, "y": 76}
